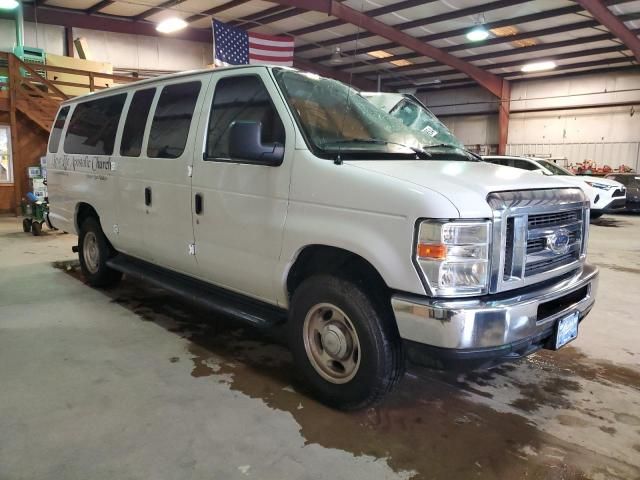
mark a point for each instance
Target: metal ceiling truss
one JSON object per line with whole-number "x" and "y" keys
{"x": 615, "y": 24}
{"x": 421, "y": 22}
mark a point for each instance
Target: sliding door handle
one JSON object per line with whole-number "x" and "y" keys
{"x": 199, "y": 203}
{"x": 147, "y": 196}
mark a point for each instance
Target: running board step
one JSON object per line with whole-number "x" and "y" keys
{"x": 213, "y": 298}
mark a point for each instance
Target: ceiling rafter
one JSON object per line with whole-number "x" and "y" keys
{"x": 514, "y": 63}
{"x": 608, "y": 19}
{"x": 491, "y": 82}
{"x": 533, "y": 17}
{"x": 466, "y": 83}
{"x": 96, "y": 7}
{"x": 376, "y": 12}
{"x": 420, "y": 22}
{"x": 259, "y": 15}
{"x": 504, "y": 53}
{"x": 216, "y": 10}
{"x": 157, "y": 9}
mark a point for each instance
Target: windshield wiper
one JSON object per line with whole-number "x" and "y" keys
{"x": 420, "y": 152}
{"x": 470, "y": 155}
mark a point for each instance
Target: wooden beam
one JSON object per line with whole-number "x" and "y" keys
{"x": 68, "y": 41}
{"x": 13, "y": 72}
{"x": 605, "y": 17}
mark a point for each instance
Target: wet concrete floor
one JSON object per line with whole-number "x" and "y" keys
{"x": 148, "y": 357}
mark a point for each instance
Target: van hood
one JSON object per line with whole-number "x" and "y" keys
{"x": 465, "y": 184}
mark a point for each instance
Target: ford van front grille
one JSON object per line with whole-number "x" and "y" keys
{"x": 538, "y": 235}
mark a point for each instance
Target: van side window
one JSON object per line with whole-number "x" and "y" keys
{"x": 241, "y": 98}
{"x": 93, "y": 125}
{"x": 131, "y": 144}
{"x": 172, "y": 120}
{"x": 56, "y": 131}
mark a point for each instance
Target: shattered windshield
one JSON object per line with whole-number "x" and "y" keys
{"x": 336, "y": 118}
{"x": 417, "y": 117}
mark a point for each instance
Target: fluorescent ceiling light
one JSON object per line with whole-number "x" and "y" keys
{"x": 8, "y": 4}
{"x": 478, "y": 34}
{"x": 170, "y": 25}
{"x": 379, "y": 54}
{"x": 539, "y": 66}
{"x": 401, "y": 63}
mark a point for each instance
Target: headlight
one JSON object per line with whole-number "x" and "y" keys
{"x": 601, "y": 186}
{"x": 454, "y": 256}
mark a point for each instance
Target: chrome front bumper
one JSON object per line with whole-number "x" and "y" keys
{"x": 497, "y": 320}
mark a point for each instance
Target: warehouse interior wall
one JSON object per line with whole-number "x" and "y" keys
{"x": 123, "y": 51}
{"x": 551, "y": 117}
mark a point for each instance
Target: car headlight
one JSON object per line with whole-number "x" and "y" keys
{"x": 454, "y": 256}
{"x": 601, "y": 186}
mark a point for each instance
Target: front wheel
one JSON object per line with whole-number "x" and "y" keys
{"x": 94, "y": 250}
{"x": 26, "y": 225}
{"x": 344, "y": 344}
{"x": 593, "y": 215}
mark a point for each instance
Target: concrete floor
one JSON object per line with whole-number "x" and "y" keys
{"x": 135, "y": 384}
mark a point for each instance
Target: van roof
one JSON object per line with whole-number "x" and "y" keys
{"x": 147, "y": 81}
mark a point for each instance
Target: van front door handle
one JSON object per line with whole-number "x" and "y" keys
{"x": 147, "y": 196}
{"x": 198, "y": 203}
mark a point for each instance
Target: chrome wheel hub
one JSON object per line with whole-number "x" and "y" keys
{"x": 331, "y": 343}
{"x": 91, "y": 252}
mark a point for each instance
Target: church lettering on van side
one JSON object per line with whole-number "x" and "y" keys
{"x": 81, "y": 164}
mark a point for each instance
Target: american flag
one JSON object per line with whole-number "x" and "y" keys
{"x": 234, "y": 46}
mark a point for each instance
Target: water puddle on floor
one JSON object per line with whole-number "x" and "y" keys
{"x": 435, "y": 425}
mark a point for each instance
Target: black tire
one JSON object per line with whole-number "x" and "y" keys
{"x": 36, "y": 229}
{"x": 99, "y": 250}
{"x": 594, "y": 215}
{"x": 26, "y": 225}
{"x": 381, "y": 360}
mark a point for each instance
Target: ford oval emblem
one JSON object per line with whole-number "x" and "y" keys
{"x": 558, "y": 242}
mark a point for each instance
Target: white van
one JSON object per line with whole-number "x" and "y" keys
{"x": 275, "y": 195}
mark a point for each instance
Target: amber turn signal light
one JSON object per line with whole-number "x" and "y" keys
{"x": 435, "y": 251}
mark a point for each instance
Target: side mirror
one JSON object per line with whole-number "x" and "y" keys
{"x": 245, "y": 144}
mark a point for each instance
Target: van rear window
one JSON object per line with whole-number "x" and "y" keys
{"x": 93, "y": 125}
{"x": 172, "y": 120}
{"x": 131, "y": 144}
{"x": 56, "y": 131}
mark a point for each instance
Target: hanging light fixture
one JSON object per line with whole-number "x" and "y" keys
{"x": 8, "y": 4}
{"x": 479, "y": 32}
{"x": 336, "y": 57}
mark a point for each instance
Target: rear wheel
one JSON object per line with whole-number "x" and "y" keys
{"x": 94, "y": 250}
{"x": 345, "y": 345}
{"x": 36, "y": 229}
